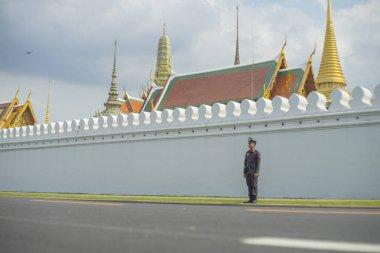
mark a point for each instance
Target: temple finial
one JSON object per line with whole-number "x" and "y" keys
{"x": 164, "y": 30}
{"x": 114, "y": 65}
{"x": 330, "y": 75}
{"x": 30, "y": 93}
{"x": 285, "y": 42}
{"x": 237, "y": 55}
{"x": 17, "y": 92}
{"x": 311, "y": 55}
{"x": 47, "y": 115}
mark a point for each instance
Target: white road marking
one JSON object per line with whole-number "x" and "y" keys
{"x": 312, "y": 244}
{"x": 312, "y": 211}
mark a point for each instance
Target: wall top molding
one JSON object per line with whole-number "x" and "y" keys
{"x": 279, "y": 114}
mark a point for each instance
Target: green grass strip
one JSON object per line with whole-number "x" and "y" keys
{"x": 197, "y": 200}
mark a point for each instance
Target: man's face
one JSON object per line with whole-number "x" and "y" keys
{"x": 251, "y": 145}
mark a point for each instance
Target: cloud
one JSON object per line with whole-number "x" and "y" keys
{"x": 67, "y": 101}
{"x": 72, "y": 42}
{"x": 358, "y": 39}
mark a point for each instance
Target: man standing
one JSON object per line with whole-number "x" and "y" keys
{"x": 252, "y": 170}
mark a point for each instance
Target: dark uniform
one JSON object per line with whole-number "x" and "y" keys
{"x": 251, "y": 167}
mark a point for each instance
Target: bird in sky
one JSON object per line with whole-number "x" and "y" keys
{"x": 29, "y": 52}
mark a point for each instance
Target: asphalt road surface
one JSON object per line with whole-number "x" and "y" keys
{"x": 41, "y": 225}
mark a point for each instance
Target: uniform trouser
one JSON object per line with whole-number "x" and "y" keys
{"x": 252, "y": 184}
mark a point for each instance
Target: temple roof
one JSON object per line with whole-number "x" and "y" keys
{"x": 131, "y": 104}
{"x": 234, "y": 83}
{"x": 3, "y": 108}
{"x": 154, "y": 95}
{"x": 14, "y": 114}
{"x": 287, "y": 82}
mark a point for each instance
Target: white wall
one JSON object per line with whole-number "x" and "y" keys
{"x": 306, "y": 150}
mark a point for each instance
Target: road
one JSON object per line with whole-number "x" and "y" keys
{"x": 41, "y": 225}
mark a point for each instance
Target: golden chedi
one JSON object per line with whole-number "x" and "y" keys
{"x": 330, "y": 74}
{"x": 163, "y": 65}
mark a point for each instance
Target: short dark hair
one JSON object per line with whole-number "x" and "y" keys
{"x": 250, "y": 140}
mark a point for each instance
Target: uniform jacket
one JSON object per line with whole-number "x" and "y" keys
{"x": 252, "y": 161}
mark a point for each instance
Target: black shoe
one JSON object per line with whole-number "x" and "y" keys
{"x": 249, "y": 201}
{"x": 254, "y": 201}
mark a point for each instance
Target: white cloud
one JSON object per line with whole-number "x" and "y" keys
{"x": 73, "y": 43}
{"x": 68, "y": 100}
{"x": 358, "y": 39}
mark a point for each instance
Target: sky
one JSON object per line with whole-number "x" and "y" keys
{"x": 72, "y": 42}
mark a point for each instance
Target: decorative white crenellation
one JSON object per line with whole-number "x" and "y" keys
{"x": 179, "y": 116}
{"x": 58, "y": 127}
{"x": 205, "y": 113}
{"x": 144, "y": 119}
{"x": 264, "y": 108}
{"x": 316, "y": 103}
{"x": 192, "y": 114}
{"x": 280, "y": 106}
{"x": 156, "y": 118}
{"x": 29, "y": 130}
{"x": 218, "y": 111}
{"x": 23, "y": 131}
{"x": 340, "y": 100}
{"x": 167, "y": 117}
{"x": 297, "y": 104}
{"x": 93, "y": 124}
{"x": 133, "y": 121}
{"x": 112, "y": 121}
{"x": 362, "y": 98}
{"x": 15, "y": 132}
{"x": 248, "y": 109}
{"x": 122, "y": 121}
{"x": 233, "y": 110}
{"x": 279, "y": 114}
{"x": 103, "y": 122}
{"x": 83, "y": 124}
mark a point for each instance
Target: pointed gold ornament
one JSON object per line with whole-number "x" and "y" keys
{"x": 330, "y": 75}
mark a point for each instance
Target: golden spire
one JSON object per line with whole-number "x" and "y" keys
{"x": 163, "y": 65}
{"x": 330, "y": 75}
{"x": 114, "y": 66}
{"x": 112, "y": 104}
{"x": 237, "y": 55}
{"x": 47, "y": 116}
